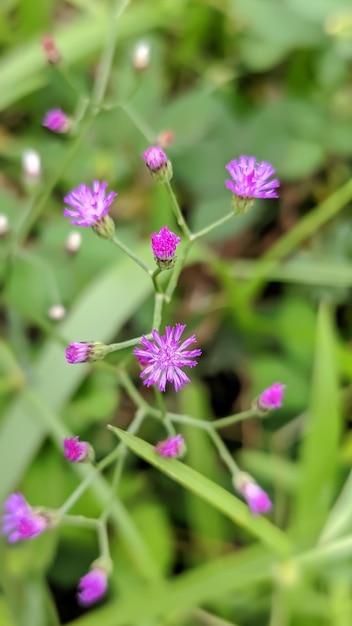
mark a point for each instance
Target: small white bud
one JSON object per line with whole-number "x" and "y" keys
{"x": 141, "y": 56}
{"x": 4, "y": 225}
{"x": 73, "y": 242}
{"x": 57, "y": 312}
{"x": 31, "y": 164}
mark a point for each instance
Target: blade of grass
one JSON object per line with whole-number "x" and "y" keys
{"x": 319, "y": 453}
{"x": 209, "y": 491}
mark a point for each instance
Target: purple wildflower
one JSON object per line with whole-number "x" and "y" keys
{"x": 164, "y": 358}
{"x": 164, "y": 243}
{"x": 257, "y": 500}
{"x": 271, "y": 398}
{"x": 20, "y": 521}
{"x": 250, "y": 178}
{"x": 158, "y": 164}
{"x": 56, "y": 120}
{"x": 154, "y": 158}
{"x": 89, "y": 205}
{"x": 92, "y": 587}
{"x": 77, "y": 451}
{"x": 172, "y": 447}
{"x": 77, "y": 352}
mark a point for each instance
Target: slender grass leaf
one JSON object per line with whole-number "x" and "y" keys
{"x": 319, "y": 455}
{"x": 209, "y": 491}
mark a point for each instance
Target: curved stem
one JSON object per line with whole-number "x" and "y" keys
{"x": 177, "y": 271}
{"x": 131, "y": 254}
{"x": 233, "y": 419}
{"x": 178, "y": 213}
{"x": 212, "y": 226}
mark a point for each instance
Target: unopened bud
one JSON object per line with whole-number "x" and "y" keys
{"x": 57, "y": 312}
{"x": 141, "y": 56}
{"x": 4, "y": 225}
{"x": 158, "y": 164}
{"x": 31, "y": 165}
{"x": 52, "y": 54}
{"x": 73, "y": 242}
{"x": 166, "y": 138}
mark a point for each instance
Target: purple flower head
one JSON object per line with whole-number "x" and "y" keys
{"x": 20, "y": 521}
{"x": 164, "y": 358}
{"x": 164, "y": 243}
{"x": 154, "y": 158}
{"x": 56, "y": 120}
{"x": 77, "y": 451}
{"x": 82, "y": 351}
{"x": 250, "y": 180}
{"x": 271, "y": 398}
{"x": 89, "y": 205}
{"x": 171, "y": 447}
{"x": 257, "y": 500}
{"x": 77, "y": 352}
{"x": 92, "y": 587}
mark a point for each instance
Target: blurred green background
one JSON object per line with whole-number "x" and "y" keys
{"x": 268, "y": 296}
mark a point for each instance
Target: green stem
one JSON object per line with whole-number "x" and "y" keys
{"x": 177, "y": 271}
{"x": 223, "y": 452}
{"x": 103, "y": 538}
{"x": 178, "y": 213}
{"x": 131, "y": 254}
{"x": 107, "y": 56}
{"x": 212, "y": 226}
{"x": 79, "y": 520}
{"x": 129, "y": 387}
{"x": 139, "y": 123}
{"x": 233, "y": 419}
{"x": 158, "y": 310}
{"x": 163, "y": 413}
{"x": 154, "y": 277}
{"x": 190, "y": 421}
{"x": 114, "y": 347}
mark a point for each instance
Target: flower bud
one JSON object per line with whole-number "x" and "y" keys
{"x": 172, "y": 447}
{"x": 4, "y": 225}
{"x": 86, "y": 351}
{"x": 141, "y": 56}
{"x": 31, "y": 166}
{"x": 57, "y": 312}
{"x": 73, "y": 242}
{"x": 270, "y": 399}
{"x": 57, "y": 121}
{"x": 257, "y": 500}
{"x": 77, "y": 451}
{"x": 158, "y": 164}
{"x": 164, "y": 245}
{"x": 52, "y": 54}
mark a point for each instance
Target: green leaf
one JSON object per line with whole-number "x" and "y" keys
{"x": 209, "y": 491}
{"x": 203, "y": 584}
{"x": 319, "y": 453}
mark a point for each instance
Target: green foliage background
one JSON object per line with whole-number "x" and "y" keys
{"x": 267, "y": 294}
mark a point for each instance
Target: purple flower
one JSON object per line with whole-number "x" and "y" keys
{"x": 89, "y": 205}
{"x": 92, "y": 587}
{"x": 77, "y": 352}
{"x": 83, "y": 351}
{"x": 164, "y": 358}
{"x": 171, "y": 447}
{"x": 164, "y": 243}
{"x": 250, "y": 178}
{"x": 20, "y": 521}
{"x": 76, "y": 451}
{"x": 271, "y": 398}
{"x": 154, "y": 158}
{"x": 257, "y": 500}
{"x": 56, "y": 120}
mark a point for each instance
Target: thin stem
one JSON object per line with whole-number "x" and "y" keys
{"x": 190, "y": 421}
{"x": 158, "y": 310}
{"x": 139, "y": 123}
{"x": 234, "y": 419}
{"x": 114, "y": 347}
{"x": 212, "y": 226}
{"x": 177, "y": 271}
{"x": 163, "y": 413}
{"x": 107, "y": 56}
{"x": 79, "y": 520}
{"x": 178, "y": 213}
{"x": 129, "y": 387}
{"x": 223, "y": 452}
{"x": 131, "y": 254}
{"x": 154, "y": 277}
{"x": 103, "y": 538}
